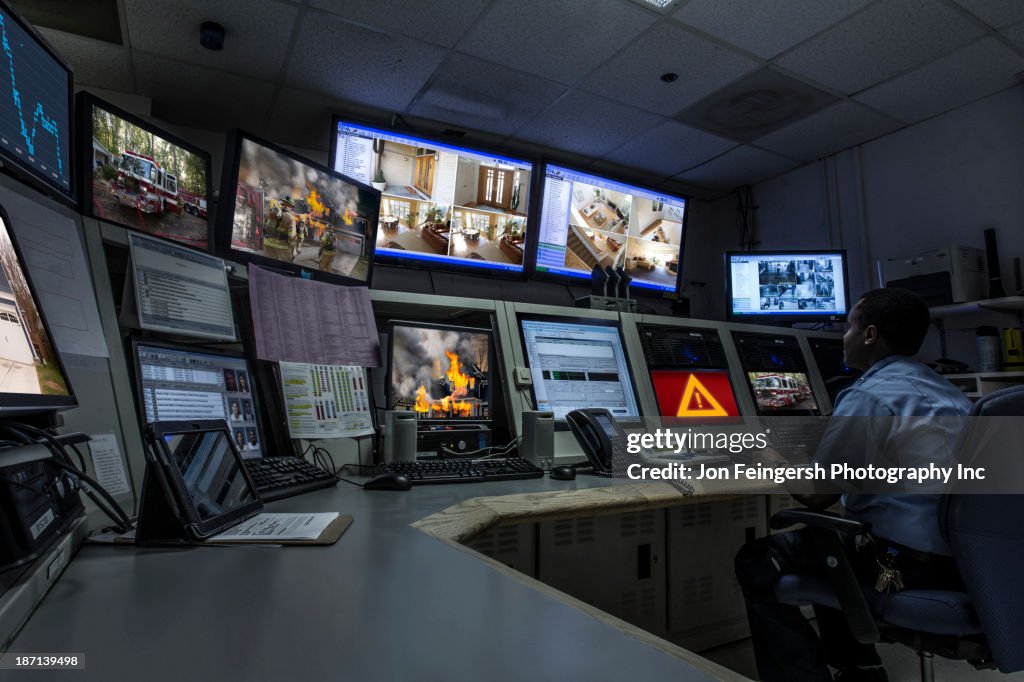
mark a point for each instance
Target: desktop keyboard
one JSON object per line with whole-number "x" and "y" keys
{"x": 279, "y": 477}
{"x": 463, "y": 470}
{"x": 797, "y": 438}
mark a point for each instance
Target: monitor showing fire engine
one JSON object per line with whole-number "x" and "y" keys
{"x": 780, "y": 392}
{"x": 443, "y": 207}
{"x": 141, "y": 177}
{"x": 293, "y": 214}
{"x": 440, "y": 372}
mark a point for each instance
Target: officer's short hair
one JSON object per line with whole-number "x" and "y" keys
{"x": 900, "y": 315}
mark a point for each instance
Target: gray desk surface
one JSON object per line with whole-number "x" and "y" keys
{"x": 386, "y": 602}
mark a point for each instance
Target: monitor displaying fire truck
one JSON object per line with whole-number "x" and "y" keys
{"x": 288, "y": 213}
{"x": 141, "y": 177}
{"x": 440, "y": 372}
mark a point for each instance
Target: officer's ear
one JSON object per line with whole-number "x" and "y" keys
{"x": 870, "y": 335}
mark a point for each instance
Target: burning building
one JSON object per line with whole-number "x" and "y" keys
{"x": 440, "y": 374}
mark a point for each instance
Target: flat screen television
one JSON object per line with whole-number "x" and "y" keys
{"x": 33, "y": 379}
{"x": 765, "y": 287}
{"x": 588, "y": 220}
{"x": 444, "y": 207}
{"x": 36, "y": 109}
{"x": 285, "y": 212}
{"x": 578, "y": 362}
{"x": 141, "y": 177}
{"x": 443, "y": 373}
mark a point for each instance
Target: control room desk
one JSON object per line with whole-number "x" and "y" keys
{"x": 388, "y": 601}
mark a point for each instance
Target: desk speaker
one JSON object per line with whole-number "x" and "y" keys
{"x": 399, "y": 436}
{"x": 538, "y": 446}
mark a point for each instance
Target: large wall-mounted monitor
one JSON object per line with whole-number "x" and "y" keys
{"x": 444, "y": 207}
{"x": 36, "y": 93}
{"x": 576, "y": 363}
{"x": 283, "y": 211}
{"x": 140, "y": 177}
{"x": 33, "y": 379}
{"x": 442, "y": 373}
{"x": 588, "y": 220}
{"x": 787, "y": 286}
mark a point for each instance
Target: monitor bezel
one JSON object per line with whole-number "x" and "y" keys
{"x": 491, "y": 371}
{"x": 785, "y": 317}
{"x": 468, "y": 267}
{"x": 226, "y": 210}
{"x": 133, "y": 343}
{"x": 25, "y": 172}
{"x": 30, "y": 403}
{"x": 561, "y": 424}
{"x": 584, "y": 279}
{"x": 85, "y": 102}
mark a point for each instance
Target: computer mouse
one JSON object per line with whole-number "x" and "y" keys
{"x": 388, "y": 481}
{"x": 563, "y": 472}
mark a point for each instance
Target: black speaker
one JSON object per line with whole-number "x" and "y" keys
{"x": 995, "y": 280}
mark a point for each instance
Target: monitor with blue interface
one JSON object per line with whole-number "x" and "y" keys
{"x": 443, "y": 207}
{"x": 35, "y": 107}
{"x": 787, "y": 286}
{"x": 577, "y": 363}
{"x": 588, "y": 220}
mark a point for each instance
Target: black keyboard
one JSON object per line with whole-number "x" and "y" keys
{"x": 279, "y": 477}
{"x": 797, "y": 438}
{"x": 463, "y": 470}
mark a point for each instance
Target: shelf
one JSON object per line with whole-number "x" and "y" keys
{"x": 975, "y": 385}
{"x": 1006, "y": 304}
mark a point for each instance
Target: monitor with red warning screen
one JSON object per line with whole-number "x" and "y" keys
{"x": 704, "y": 397}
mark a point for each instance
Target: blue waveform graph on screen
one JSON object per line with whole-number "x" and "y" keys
{"x": 35, "y": 114}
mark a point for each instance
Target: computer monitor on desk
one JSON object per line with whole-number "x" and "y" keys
{"x": 176, "y": 383}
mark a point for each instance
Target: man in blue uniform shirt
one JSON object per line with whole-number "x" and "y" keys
{"x": 886, "y": 327}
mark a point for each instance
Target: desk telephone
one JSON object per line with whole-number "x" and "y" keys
{"x": 602, "y": 439}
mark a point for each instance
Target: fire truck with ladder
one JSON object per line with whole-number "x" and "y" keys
{"x": 142, "y": 184}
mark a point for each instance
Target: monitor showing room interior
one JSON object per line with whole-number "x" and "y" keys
{"x": 441, "y": 373}
{"x": 177, "y": 383}
{"x": 289, "y": 213}
{"x": 35, "y": 109}
{"x": 443, "y": 206}
{"x": 588, "y": 220}
{"x": 782, "y": 392}
{"x": 33, "y": 377}
{"x": 688, "y": 397}
{"x": 141, "y": 177}
{"x": 577, "y": 363}
{"x": 809, "y": 286}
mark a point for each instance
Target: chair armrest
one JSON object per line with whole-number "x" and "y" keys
{"x": 816, "y": 519}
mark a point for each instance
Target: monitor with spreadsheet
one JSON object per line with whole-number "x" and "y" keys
{"x": 576, "y": 363}
{"x": 177, "y": 383}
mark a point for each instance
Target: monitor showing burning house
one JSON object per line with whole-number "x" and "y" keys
{"x": 293, "y": 214}
{"x": 441, "y": 373}
{"x": 141, "y": 177}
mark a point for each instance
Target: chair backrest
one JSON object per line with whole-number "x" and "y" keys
{"x": 986, "y": 533}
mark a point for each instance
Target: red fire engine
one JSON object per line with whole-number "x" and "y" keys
{"x": 142, "y": 184}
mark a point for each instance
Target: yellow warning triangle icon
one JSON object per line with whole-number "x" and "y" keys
{"x": 707, "y": 406}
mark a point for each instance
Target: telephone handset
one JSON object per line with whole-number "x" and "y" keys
{"x": 602, "y": 439}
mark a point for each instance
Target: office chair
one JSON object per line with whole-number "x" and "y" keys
{"x": 982, "y": 626}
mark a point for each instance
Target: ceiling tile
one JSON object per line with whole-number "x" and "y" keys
{"x": 1015, "y": 35}
{"x": 765, "y": 28}
{"x": 686, "y": 189}
{"x": 94, "y": 62}
{"x": 830, "y": 130}
{"x": 741, "y": 166}
{"x": 947, "y": 83}
{"x": 995, "y": 13}
{"x": 628, "y": 175}
{"x": 668, "y": 148}
{"x": 202, "y": 98}
{"x": 303, "y": 119}
{"x": 441, "y": 22}
{"x": 354, "y": 63}
{"x": 632, "y": 76}
{"x": 586, "y": 124}
{"x": 881, "y": 42}
{"x": 539, "y": 152}
{"x": 470, "y": 92}
{"x": 255, "y": 42}
{"x": 557, "y": 39}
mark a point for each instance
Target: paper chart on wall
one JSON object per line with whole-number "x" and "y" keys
{"x": 326, "y": 401}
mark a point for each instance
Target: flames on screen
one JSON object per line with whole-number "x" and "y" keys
{"x": 313, "y": 199}
{"x": 437, "y": 372}
{"x": 450, "y": 405}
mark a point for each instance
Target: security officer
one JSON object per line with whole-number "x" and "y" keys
{"x": 279, "y": 232}
{"x": 327, "y": 250}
